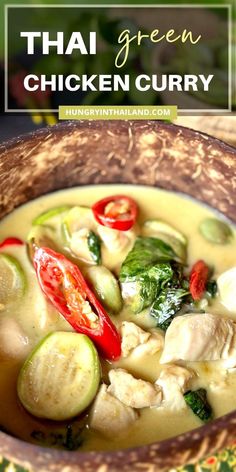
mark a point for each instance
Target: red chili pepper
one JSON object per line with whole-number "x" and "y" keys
{"x": 198, "y": 279}
{"x": 117, "y": 212}
{"x": 64, "y": 285}
{"x": 11, "y": 242}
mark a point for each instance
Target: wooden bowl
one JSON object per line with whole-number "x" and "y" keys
{"x": 147, "y": 153}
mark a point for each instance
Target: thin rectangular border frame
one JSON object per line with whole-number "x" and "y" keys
{"x": 56, "y": 110}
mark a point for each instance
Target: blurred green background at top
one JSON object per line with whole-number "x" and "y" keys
{"x": 107, "y": 2}
{"x": 211, "y": 56}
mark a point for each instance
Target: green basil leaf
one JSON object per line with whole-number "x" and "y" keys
{"x": 94, "y": 245}
{"x": 197, "y": 401}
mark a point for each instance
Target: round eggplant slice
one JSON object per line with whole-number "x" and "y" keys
{"x": 106, "y": 287}
{"x": 168, "y": 234}
{"x": 51, "y": 217}
{"x": 158, "y": 226}
{"x": 61, "y": 376}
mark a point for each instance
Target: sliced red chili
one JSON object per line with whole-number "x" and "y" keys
{"x": 64, "y": 285}
{"x": 116, "y": 212}
{"x": 198, "y": 279}
{"x": 11, "y": 242}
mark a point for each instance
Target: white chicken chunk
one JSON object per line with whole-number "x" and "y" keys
{"x": 174, "y": 381}
{"x": 115, "y": 240}
{"x": 133, "y": 392}
{"x": 200, "y": 337}
{"x": 154, "y": 344}
{"x": 79, "y": 244}
{"x": 109, "y": 416}
{"x": 132, "y": 335}
{"x": 138, "y": 341}
{"x": 226, "y": 284}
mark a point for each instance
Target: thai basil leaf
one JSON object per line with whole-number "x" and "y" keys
{"x": 144, "y": 255}
{"x": 167, "y": 305}
{"x": 148, "y": 268}
{"x": 185, "y": 284}
{"x": 211, "y": 288}
{"x": 72, "y": 440}
{"x": 161, "y": 273}
{"x": 139, "y": 294}
{"x": 197, "y": 401}
{"x": 94, "y": 245}
{"x": 69, "y": 438}
{"x": 178, "y": 280}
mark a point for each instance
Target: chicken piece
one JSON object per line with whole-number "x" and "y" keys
{"x": 135, "y": 393}
{"x": 116, "y": 240}
{"x": 79, "y": 244}
{"x": 138, "y": 341}
{"x": 226, "y": 284}
{"x": 154, "y": 344}
{"x": 174, "y": 381}
{"x": 200, "y": 337}
{"x": 132, "y": 335}
{"x": 109, "y": 416}
{"x": 14, "y": 344}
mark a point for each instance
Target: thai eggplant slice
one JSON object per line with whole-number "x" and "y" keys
{"x": 106, "y": 287}
{"x": 168, "y": 234}
{"x": 47, "y": 230}
{"x": 60, "y": 377}
{"x": 51, "y": 217}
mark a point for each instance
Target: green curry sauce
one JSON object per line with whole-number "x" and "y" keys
{"x": 142, "y": 277}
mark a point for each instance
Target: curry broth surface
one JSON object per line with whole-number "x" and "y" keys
{"x": 153, "y": 424}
